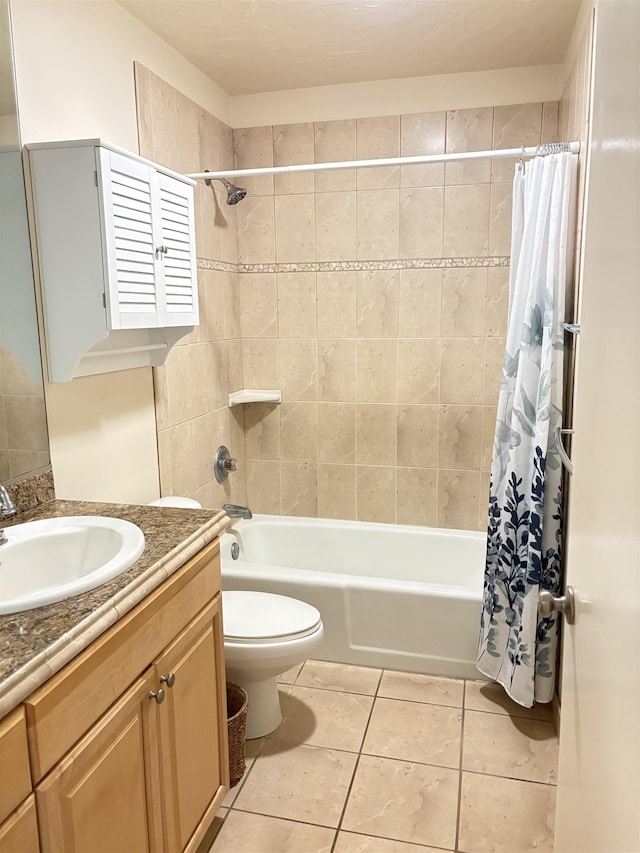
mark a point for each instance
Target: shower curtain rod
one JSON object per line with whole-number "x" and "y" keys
{"x": 421, "y": 159}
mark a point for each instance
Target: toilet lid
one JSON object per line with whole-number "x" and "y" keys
{"x": 254, "y": 617}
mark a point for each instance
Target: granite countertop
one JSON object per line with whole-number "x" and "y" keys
{"x": 34, "y": 644}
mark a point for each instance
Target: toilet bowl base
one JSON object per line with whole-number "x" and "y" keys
{"x": 263, "y": 710}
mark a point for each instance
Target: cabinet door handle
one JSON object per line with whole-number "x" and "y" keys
{"x": 158, "y": 696}
{"x": 169, "y": 680}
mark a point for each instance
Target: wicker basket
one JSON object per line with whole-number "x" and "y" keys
{"x": 237, "y": 702}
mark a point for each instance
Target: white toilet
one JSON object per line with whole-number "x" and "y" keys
{"x": 264, "y": 635}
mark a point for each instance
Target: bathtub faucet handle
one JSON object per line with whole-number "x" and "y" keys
{"x": 223, "y": 462}
{"x": 236, "y": 511}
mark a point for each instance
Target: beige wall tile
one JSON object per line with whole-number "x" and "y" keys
{"x": 377, "y": 363}
{"x": 203, "y": 447}
{"x": 461, "y": 371}
{"x": 513, "y": 126}
{"x": 297, "y": 305}
{"x": 143, "y": 81}
{"x": 493, "y": 360}
{"x": 414, "y": 817}
{"x": 241, "y": 829}
{"x": 464, "y": 301}
{"x": 460, "y": 437}
{"x": 292, "y": 145}
{"x": 234, "y": 364}
{"x": 256, "y": 230}
{"x": 335, "y": 142}
{"x": 420, "y": 303}
{"x": 335, "y": 229}
{"x": 418, "y": 436}
{"x": 258, "y": 302}
{"x": 483, "y": 504}
{"x": 489, "y": 414}
{"x": 5, "y": 465}
{"x": 214, "y": 378}
{"x": 253, "y": 149}
{"x": 210, "y": 297}
{"x": 231, "y": 302}
{"x": 337, "y": 491}
{"x": 378, "y": 222}
{"x": 208, "y": 210}
{"x": 299, "y": 432}
{"x": 226, "y": 219}
{"x": 377, "y": 138}
{"x": 378, "y": 303}
{"x": 295, "y": 228}
{"x": 466, "y": 221}
{"x": 26, "y": 461}
{"x": 421, "y": 222}
{"x": 174, "y": 381}
{"x": 337, "y": 369}
{"x": 513, "y": 747}
{"x": 418, "y": 371}
{"x": 422, "y": 133}
{"x": 497, "y": 301}
{"x": 549, "y": 122}
{"x": 376, "y": 435}
{"x": 262, "y": 431}
{"x": 414, "y": 731}
{"x": 260, "y": 363}
{"x": 337, "y": 301}
{"x": 500, "y": 219}
{"x": 337, "y": 433}
{"x": 469, "y": 130}
{"x": 177, "y": 461}
{"x": 164, "y": 123}
{"x": 299, "y": 487}
{"x": 263, "y": 486}
{"x": 417, "y": 496}
{"x": 187, "y": 118}
{"x": 489, "y": 803}
{"x": 376, "y": 494}
{"x": 298, "y": 368}
{"x": 458, "y": 495}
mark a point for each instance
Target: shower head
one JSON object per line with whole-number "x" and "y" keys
{"x": 234, "y": 193}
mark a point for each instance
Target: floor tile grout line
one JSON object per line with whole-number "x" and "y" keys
{"x": 357, "y": 764}
{"x": 459, "y": 807}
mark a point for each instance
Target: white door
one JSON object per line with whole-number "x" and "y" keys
{"x": 598, "y": 784}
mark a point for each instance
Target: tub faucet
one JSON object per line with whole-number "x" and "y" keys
{"x": 236, "y": 511}
{"x": 7, "y": 510}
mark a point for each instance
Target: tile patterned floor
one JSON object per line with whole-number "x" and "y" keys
{"x": 374, "y": 761}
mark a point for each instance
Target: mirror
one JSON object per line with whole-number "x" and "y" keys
{"x": 24, "y": 444}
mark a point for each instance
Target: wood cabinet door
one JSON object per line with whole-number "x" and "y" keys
{"x": 19, "y": 832}
{"x": 103, "y": 796}
{"x": 193, "y": 729}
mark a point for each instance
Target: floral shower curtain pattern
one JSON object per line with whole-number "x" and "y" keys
{"x": 517, "y": 647}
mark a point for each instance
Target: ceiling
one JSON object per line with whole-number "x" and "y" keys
{"x": 250, "y": 46}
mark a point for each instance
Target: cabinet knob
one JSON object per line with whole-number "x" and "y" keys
{"x": 169, "y": 680}
{"x": 157, "y": 695}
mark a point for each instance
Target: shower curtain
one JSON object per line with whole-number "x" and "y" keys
{"x": 517, "y": 647}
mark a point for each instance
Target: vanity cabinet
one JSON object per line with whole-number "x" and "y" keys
{"x": 115, "y": 238}
{"x": 128, "y": 742}
{"x": 18, "y": 824}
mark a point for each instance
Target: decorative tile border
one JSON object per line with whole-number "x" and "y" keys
{"x": 219, "y": 266}
{"x": 346, "y": 266}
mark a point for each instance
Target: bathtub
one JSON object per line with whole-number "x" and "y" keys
{"x": 391, "y": 596}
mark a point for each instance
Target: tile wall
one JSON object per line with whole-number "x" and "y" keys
{"x": 376, "y": 301}
{"x": 24, "y": 445}
{"x": 192, "y": 387}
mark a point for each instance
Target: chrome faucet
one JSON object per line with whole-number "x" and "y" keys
{"x": 7, "y": 510}
{"x": 236, "y": 511}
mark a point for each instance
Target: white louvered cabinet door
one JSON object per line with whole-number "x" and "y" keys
{"x": 133, "y": 295}
{"x": 178, "y": 255}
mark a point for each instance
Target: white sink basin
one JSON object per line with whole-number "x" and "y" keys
{"x": 53, "y": 559}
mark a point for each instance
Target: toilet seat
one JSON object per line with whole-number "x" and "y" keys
{"x": 261, "y": 617}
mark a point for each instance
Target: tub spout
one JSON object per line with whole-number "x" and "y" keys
{"x": 236, "y": 511}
